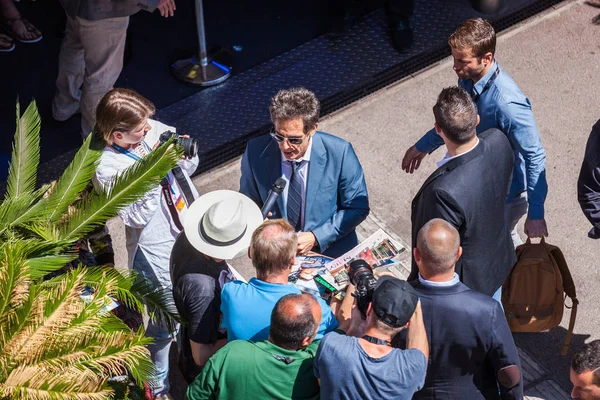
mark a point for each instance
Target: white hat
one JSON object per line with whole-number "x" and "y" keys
{"x": 220, "y": 223}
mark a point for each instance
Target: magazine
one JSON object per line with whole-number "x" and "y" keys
{"x": 305, "y": 270}
{"x": 377, "y": 250}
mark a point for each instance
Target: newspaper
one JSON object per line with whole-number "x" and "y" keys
{"x": 323, "y": 276}
{"x": 377, "y": 250}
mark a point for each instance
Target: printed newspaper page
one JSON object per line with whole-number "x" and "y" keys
{"x": 322, "y": 275}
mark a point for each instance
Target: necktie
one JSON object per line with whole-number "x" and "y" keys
{"x": 294, "y": 199}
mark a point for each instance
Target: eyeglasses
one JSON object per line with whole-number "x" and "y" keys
{"x": 291, "y": 140}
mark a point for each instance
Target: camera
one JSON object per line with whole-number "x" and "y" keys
{"x": 190, "y": 145}
{"x": 361, "y": 276}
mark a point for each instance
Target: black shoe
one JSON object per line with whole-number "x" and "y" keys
{"x": 340, "y": 25}
{"x": 402, "y": 35}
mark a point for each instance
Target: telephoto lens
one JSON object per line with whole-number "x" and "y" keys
{"x": 361, "y": 276}
{"x": 190, "y": 145}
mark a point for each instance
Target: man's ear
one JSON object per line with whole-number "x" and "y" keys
{"x": 249, "y": 253}
{"x": 306, "y": 342}
{"x": 438, "y": 130}
{"x": 417, "y": 255}
{"x": 487, "y": 58}
{"x": 478, "y": 120}
{"x": 459, "y": 253}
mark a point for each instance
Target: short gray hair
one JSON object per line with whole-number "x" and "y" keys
{"x": 272, "y": 246}
{"x": 438, "y": 242}
{"x": 456, "y": 113}
{"x": 294, "y": 103}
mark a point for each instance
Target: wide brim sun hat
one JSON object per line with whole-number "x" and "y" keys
{"x": 219, "y": 224}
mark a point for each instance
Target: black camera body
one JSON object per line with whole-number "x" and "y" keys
{"x": 190, "y": 145}
{"x": 361, "y": 276}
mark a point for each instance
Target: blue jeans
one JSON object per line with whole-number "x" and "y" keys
{"x": 514, "y": 211}
{"x": 159, "y": 350}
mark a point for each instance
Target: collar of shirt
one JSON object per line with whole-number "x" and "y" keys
{"x": 452, "y": 282}
{"x": 478, "y": 87}
{"x": 448, "y": 158}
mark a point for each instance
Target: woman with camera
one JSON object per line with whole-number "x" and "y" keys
{"x": 123, "y": 120}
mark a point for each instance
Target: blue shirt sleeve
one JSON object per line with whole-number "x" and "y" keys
{"x": 429, "y": 142}
{"x": 516, "y": 120}
{"x": 328, "y": 321}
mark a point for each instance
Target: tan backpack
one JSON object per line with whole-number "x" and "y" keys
{"x": 534, "y": 293}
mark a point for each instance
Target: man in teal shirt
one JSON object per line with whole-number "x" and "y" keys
{"x": 278, "y": 368}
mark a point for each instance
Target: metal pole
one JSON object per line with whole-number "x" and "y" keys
{"x": 205, "y": 69}
{"x": 203, "y": 55}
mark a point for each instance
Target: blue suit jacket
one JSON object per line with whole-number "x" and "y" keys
{"x": 336, "y": 193}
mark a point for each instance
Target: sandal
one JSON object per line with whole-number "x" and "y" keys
{"x": 9, "y": 27}
{"x": 6, "y": 43}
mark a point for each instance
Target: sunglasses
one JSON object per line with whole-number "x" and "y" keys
{"x": 292, "y": 140}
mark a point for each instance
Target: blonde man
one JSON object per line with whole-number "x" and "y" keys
{"x": 246, "y": 307}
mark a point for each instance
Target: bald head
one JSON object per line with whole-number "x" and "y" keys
{"x": 438, "y": 248}
{"x": 294, "y": 321}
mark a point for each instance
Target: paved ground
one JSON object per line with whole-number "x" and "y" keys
{"x": 555, "y": 60}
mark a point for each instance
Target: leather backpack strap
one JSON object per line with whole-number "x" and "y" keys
{"x": 565, "y": 348}
{"x": 569, "y": 288}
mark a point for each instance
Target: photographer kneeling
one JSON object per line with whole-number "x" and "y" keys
{"x": 368, "y": 367}
{"x": 153, "y": 222}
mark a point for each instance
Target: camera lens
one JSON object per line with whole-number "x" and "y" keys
{"x": 190, "y": 146}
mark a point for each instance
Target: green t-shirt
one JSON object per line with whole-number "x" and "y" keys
{"x": 247, "y": 370}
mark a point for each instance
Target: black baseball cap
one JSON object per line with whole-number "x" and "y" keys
{"x": 394, "y": 301}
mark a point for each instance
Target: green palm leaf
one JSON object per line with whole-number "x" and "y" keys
{"x": 26, "y": 153}
{"x": 127, "y": 187}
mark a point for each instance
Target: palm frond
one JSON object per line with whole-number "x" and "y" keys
{"x": 135, "y": 291}
{"x": 13, "y": 278}
{"x": 26, "y": 153}
{"x": 70, "y": 185}
{"x": 42, "y": 266}
{"x": 127, "y": 187}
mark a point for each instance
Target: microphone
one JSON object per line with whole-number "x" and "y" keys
{"x": 274, "y": 193}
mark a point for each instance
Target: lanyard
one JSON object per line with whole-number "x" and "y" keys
{"x": 127, "y": 152}
{"x": 487, "y": 85}
{"x": 165, "y": 186}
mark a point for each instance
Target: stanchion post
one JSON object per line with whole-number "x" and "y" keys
{"x": 203, "y": 70}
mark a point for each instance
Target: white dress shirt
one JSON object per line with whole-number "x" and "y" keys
{"x": 448, "y": 158}
{"x": 452, "y": 282}
{"x": 286, "y": 173}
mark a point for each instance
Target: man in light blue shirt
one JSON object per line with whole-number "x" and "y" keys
{"x": 501, "y": 105}
{"x": 247, "y": 307}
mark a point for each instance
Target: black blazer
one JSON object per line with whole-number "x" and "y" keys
{"x": 588, "y": 184}
{"x": 468, "y": 345}
{"x": 470, "y": 192}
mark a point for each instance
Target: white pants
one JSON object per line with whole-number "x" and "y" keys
{"x": 90, "y": 61}
{"x": 514, "y": 211}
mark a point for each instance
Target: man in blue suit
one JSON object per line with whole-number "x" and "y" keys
{"x": 325, "y": 197}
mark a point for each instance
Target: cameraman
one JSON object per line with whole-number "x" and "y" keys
{"x": 151, "y": 225}
{"x": 368, "y": 367}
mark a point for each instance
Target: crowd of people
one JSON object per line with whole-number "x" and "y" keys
{"x": 441, "y": 334}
